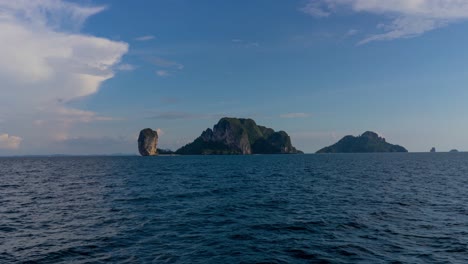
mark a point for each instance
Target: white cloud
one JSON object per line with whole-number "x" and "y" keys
{"x": 162, "y": 73}
{"x": 351, "y": 32}
{"x": 76, "y": 115}
{"x": 295, "y": 115}
{"x": 52, "y": 14}
{"x": 9, "y": 142}
{"x": 315, "y": 9}
{"x": 46, "y": 63}
{"x": 145, "y": 38}
{"x": 126, "y": 67}
{"x": 166, "y": 63}
{"x": 408, "y": 18}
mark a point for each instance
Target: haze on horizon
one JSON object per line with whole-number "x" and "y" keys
{"x": 84, "y": 77}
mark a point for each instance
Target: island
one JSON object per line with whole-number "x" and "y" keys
{"x": 454, "y": 151}
{"x": 239, "y": 136}
{"x": 365, "y": 143}
{"x": 148, "y": 142}
{"x": 433, "y": 150}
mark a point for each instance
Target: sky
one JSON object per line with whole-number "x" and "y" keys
{"x": 84, "y": 77}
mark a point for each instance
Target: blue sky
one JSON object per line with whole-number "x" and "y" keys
{"x": 84, "y": 77}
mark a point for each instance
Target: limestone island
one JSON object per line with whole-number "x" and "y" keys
{"x": 231, "y": 136}
{"x": 239, "y": 136}
{"x": 148, "y": 142}
{"x": 368, "y": 142}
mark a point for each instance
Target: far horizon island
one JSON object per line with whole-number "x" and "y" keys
{"x": 242, "y": 136}
{"x": 368, "y": 142}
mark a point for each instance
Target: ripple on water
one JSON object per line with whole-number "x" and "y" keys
{"x": 369, "y": 208}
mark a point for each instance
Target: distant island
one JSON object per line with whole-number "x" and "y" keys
{"x": 454, "y": 151}
{"x": 239, "y": 136}
{"x": 367, "y": 142}
{"x": 148, "y": 142}
{"x": 433, "y": 150}
{"x": 230, "y": 136}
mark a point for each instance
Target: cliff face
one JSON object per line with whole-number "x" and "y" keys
{"x": 367, "y": 142}
{"x": 239, "y": 136}
{"x": 148, "y": 142}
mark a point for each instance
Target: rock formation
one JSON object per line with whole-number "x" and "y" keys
{"x": 239, "y": 136}
{"x": 148, "y": 142}
{"x": 367, "y": 142}
{"x": 433, "y": 150}
{"x": 454, "y": 151}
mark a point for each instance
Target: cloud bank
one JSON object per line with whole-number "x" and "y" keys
{"x": 46, "y": 63}
{"x": 407, "y": 18}
{"x": 9, "y": 142}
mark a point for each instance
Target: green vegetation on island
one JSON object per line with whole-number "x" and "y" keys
{"x": 367, "y": 142}
{"x": 239, "y": 136}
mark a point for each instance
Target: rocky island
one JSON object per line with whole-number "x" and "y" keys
{"x": 239, "y": 136}
{"x": 367, "y": 142}
{"x": 148, "y": 142}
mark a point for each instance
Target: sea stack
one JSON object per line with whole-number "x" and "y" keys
{"x": 433, "y": 150}
{"x": 148, "y": 142}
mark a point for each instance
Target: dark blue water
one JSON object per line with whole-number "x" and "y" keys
{"x": 369, "y": 208}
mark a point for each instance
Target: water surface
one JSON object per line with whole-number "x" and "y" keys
{"x": 351, "y": 208}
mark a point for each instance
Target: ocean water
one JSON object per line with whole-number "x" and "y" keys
{"x": 350, "y": 208}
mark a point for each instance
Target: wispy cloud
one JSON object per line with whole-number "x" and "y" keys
{"x": 169, "y": 67}
{"x": 71, "y": 115}
{"x": 351, "y": 32}
{"x": 407, "y": 18}
{"x": 316, "y": 8}
{"x": 126, "y": 67}
{"x": 295, "y": 115}
{"x": 245, "y": 44}
{"x": 145, "y": 38}
{"x": 162, "y": 73}
{"x": 9, "y": 141}
{"x": 166, "y": 63}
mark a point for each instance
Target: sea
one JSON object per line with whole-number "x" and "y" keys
{"x": 331, "y": 208}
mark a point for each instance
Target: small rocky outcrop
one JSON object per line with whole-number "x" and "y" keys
{"x": 148, "y": 142}
{"x": 239, "y": 136}
{"x": 454, "y": 151}
{"x": 365, "y": 143}
{"x": 433, "y": 150}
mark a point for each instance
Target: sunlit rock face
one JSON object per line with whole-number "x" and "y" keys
{"x": 239, "y": 136}
{"x": 148, "y": 142}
